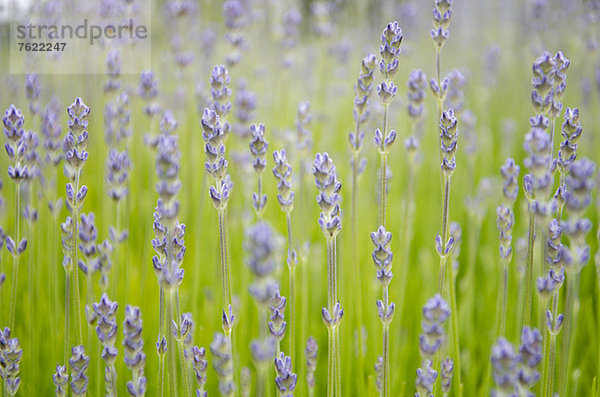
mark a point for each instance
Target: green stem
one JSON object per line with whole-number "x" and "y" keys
{"x": 172, "y": 357}
{"x": 529, "y": 270}
{"x": 386, "y": 347}
{"x": 571, "y": 315}
{"x": 225, "y": 292}
{"x": 445, "y": 216}
{"x": 383, "y": 168}
{"x": 161, "y": 333}
{"x": 292, "y": 293}
{"x": 16, "y": 255}
{"x": 406, "y": 236}
{"x": 180, "y": 345}
{"x": 455, "y": 332}
{"x": 67, "y": 315}
{"x": 502, "y": 327}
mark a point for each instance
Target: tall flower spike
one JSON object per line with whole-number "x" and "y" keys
{"x": 258, "y": 149}
{"x": 510, "y": 175}
{"x": 435, "y": 313}
{"x": 328, "y": 197}
{"x": 530, "y": 355}
{"x": 261, "y": 245}
{"x": 220, "y": 91}
{"x": 79, "y": 363}
{"x": 133, "y": 346}
{"x": 282, "y": 170}
{"x": 363, "y": 89}
{"x": 285, "y": 378}
{"x": 311, "y": 362}
{"x": 10, "y": 362}
{"x": 106, "y": 329}
{"x": 442, "y": 14}
{"x": 426, "y": 377}
{"x": 391, "y": 38}
{"x": 223, "y": 364}
{"x": 448, "y": 141}
{"x": 417, "y": 83}
{"x": 505, "y": 363}
{"x": 199, "y": 366}
{"x": 60, "y": 378}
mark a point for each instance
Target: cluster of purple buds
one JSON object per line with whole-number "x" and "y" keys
{"x": 448, "y": 142}
{"x": 216, "y": 165}
{"x": 263, "y": 350}
{"x": 79, "y": 362}
{"x": 60, "y": 378}
{"x": 391, "y": 38}
{"x": 455, "y": 95}
{"x": 31, "y": 157}
{"x": 282, "y": 170}
{"x": 285, "y": 378}
{"x": 442, "y": 14}
{"x": 328, "y": 197}
{"x": 277, "y": 324}
{"x": 76, "y": 144}
{"x": 169, "y": 233}
{"x": 580, "y": 183}
{"x": 148, "y": 91}
{"x": 303, "y": 120}
{"x": 382, "y": 257}
{"x": 417, "y": 83}
{"x": 556, "y": 254}
{"x": 447, "y": 370}
{"x": 234, "y": 15}
{"x": 435, "y": 313}
{"x": 571, "y": 132}
{"x": 15, "y": 146}
{"x": 261, "y": 245}
{"x": 245, "y": 104}
{"x": 87, "y": 245}
{"x": 118, "y": 166}
{"x": 52, "y": 132}
{"x": 362, "y": 90}
{"x": 220, "y": 92}
{"x": 505, "y": 223}
{"x": 106, "y": 330}
{"x": 32, "y": 92}
{"x": 426, "y": 377}
{"x": 113, "y": 71}
{"x": 258, "y": 148}
{"x": 183, "y": 332}
{"x": 133, "y": 346}
{"x": 10, "y": 361}
{"x": 311, "y": 361}
{"x": 321, "y": 11}
{"x": 199, "y": 366}
{"x": 537, "y": 184}
{"x": 378, "y": 367}
{"x": 510, "y": 175}
{"x": 290, "y": 26}
{"x": 123, "y": 116}
{"x": 530, "y": 356}
{"x": 505, "y": 367}
{"x": 549, "y": 83}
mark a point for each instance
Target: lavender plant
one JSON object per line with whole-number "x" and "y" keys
{"x": 60, "y": 378}
{"x": 311, "y": 364}
{"x": 18, "y": 172}
{"x": 258, "y": 148}
{"x": 285, "y": 379}
{"x": 10, "y": 362}
{"x": 133, "y": 346}
{"x": 505, "y": 361}
{"x": 382, "y": 257}
{"x": 106, "y": 330}
{"x": 169, "y": 243}
{"x": 282, "y": 171}
{"x": 75, "y": 157}
{"x": 331, "y": 224}
{"x": 391, "y": 38}
{"x": 79, "y": 363}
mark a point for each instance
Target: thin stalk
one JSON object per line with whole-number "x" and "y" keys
{"x": 406, "y": 235}
{"x": 550, "y": 377}
{"x": 383, "y": 169}
{"x": 571, "y": 316}
{"x": 197, "y": 270}
{"x": 529, "y": 270}
{"x": 386, "y": 347}
{"x": 67, "y": 315}
{"x": 13, "y": 300}
{"x": 172, "y": 356}
{"x": 445, "y": 216}
{"x": 180, "y": 346}
{"x": 292, "y": 270}
{"x": 455, "y": 330}
{"x": 357, "y": 278}
{"x": 502, "y": 326}
{"x": 336, "y": 331}
{"x": 161, "y": 332}
{"x": 74, "y": 261}
{"x": 225, "y": 292}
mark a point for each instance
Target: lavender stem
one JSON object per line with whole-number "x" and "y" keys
{"x": 529, "y": 271}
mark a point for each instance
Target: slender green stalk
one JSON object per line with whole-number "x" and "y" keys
{"x": 16, "y": 255}
{"x": 407, "y": 231}
{"x": 292, "y": 297}
{"x": 550, "y": 369}
{"x": 383, "y": 169}
{"x": 529, "y": 270}
{"x": 172, "y": 355}
{"x": 180, "y": 346}
{"x": 386, "y": 347}
{"x": 357, "y": 276}
{"x": 455, "y": 335}
{"x": 161, "y": 333}
{"x": 571, "y": 315}
{"x": 445, "y": 225}
{"x": 225, "y": 291}
{"x": 67, "y": 316}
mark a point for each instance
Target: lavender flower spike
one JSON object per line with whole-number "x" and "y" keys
{"x": 286, "y": 378}
{"x": 505, "y": 363}
{"x": 79, "y": 362}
